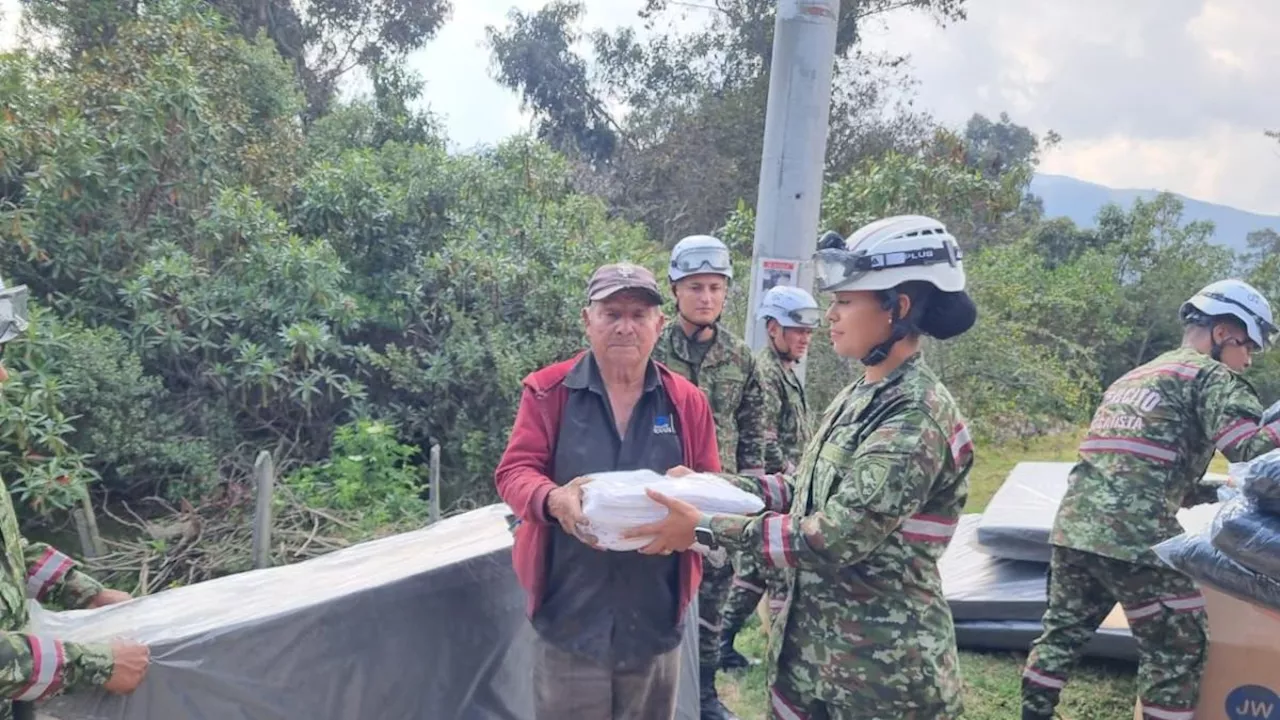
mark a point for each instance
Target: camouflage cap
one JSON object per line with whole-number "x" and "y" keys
{"x": 616, "y": 277}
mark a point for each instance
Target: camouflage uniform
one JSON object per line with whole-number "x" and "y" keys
{"x": 866, "y": 631}
{"x": 35, "y": 667}
{"x": 1150, "y": 442}
{"x": 728, "y": 376}
{"x": 787, "y": 410}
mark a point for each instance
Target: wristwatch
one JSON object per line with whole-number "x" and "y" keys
{"x": 702, "y": 532}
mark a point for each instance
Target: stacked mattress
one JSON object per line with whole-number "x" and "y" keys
{"x": 995, "y": 572}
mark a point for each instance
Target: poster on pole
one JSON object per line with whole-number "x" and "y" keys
{"x": 776, "y": 271}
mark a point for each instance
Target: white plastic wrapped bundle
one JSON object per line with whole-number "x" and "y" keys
{"x": 615, "y": 502}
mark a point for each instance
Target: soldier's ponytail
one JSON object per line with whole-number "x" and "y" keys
{"x": 949, "y": 314}
{"x": 935, "y": 313}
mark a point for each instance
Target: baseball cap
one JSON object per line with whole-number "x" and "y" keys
{"x": 616, "y": 277}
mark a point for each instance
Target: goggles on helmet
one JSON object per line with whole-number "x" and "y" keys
{"x": 1265, "y": 327}
{"x": 13, "y": 312}
{"x": 805, "y": 317}
{"x": 712, "y": 258}
{"x": 835, "y": 266}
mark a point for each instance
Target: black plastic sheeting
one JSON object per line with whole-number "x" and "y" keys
{"x": 1260, "y": 479}
{"x": 1250, "y": 537}
{"x": 1193, "y": 553}
{"x": 1019, "y": 518}
{"x": 980, "y": 587}
{"x": 424, "y": 625}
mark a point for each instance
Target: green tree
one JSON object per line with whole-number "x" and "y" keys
{"x": 1259, "y": 265}
{"x": 688, "y": 148}
{"x": 324, "y": 40}
{"x": 260, "y": 287}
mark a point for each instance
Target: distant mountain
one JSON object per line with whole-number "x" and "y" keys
{"x": 1079, "y": 200}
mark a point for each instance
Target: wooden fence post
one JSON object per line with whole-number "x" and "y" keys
{"x": 87, "y": 528}
{"x": 264, "y": 474}
{"x": 434, "y": 499}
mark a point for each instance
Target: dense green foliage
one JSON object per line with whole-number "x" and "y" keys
{"x": 218, "y": 283}
{"x": 222, "y": 263}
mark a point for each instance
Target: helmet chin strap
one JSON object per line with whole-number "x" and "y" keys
{"x": 698, "y": 327}
{"x": 897, "y": 331}
{"x": 785, "y": 355}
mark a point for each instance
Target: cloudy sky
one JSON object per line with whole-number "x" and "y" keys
{"x": 1170, "y": 94}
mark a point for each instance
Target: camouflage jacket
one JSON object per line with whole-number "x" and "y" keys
{"x": 1150, "y": 442}
{"x": 860, "y": 529}
{"x": 34, "y": 667}
{"x": 728, "y": 377}
{"x": 786, "y": 413}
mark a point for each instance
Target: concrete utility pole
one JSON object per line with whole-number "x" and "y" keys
{"x": 795, "y": 147}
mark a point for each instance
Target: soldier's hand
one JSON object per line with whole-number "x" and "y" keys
{"x": 674, "y": 533}
{"x": 131, "y": 660}
{"x": 109, "y": 597}
{"x": 679, "y": 471}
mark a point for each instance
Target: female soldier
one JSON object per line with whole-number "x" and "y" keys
{"x": 866, "y": 632}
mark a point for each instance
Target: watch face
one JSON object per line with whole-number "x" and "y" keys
{"x": 704, "y": 536}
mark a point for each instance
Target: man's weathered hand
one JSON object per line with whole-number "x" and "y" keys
{"x": 674, "y": 533}
{"x": 131, "y": 661}
{"x": 565, "y": 505}
{"x": 109, "y": 597}
{"x": 679, "y": 471}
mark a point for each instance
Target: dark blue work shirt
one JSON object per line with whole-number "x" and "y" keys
{"x": 618, "y": 608}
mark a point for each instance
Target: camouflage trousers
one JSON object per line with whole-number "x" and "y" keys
{"x": 711, "y": 595}
{"x": 788, "y": 701}
{"x": 1166, "y": 614}
{"x": 750, "y": 583}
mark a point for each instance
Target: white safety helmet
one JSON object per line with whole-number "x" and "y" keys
{"x": 889, "y": 252}
{"x": 700, "y": 254}
{"x": 791, "y": 306}
{"x": 13, "y": 311}
{"x": 1238, "y": 299}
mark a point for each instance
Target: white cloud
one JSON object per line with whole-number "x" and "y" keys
{"x": 9, "y": 16}
{"x": 1170, "y": 94}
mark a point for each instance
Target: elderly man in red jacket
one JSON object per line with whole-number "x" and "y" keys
{"x": 608, "y": 624}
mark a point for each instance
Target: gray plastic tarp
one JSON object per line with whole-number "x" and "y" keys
{"x": 980, "y": 587}
{"x": 425, "y": 625}
{"x": 1017, "y": 521}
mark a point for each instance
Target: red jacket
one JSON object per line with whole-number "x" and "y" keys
{"x": 524, "y": 474}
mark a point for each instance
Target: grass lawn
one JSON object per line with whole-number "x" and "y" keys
{"x": 1097, "y": 689}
